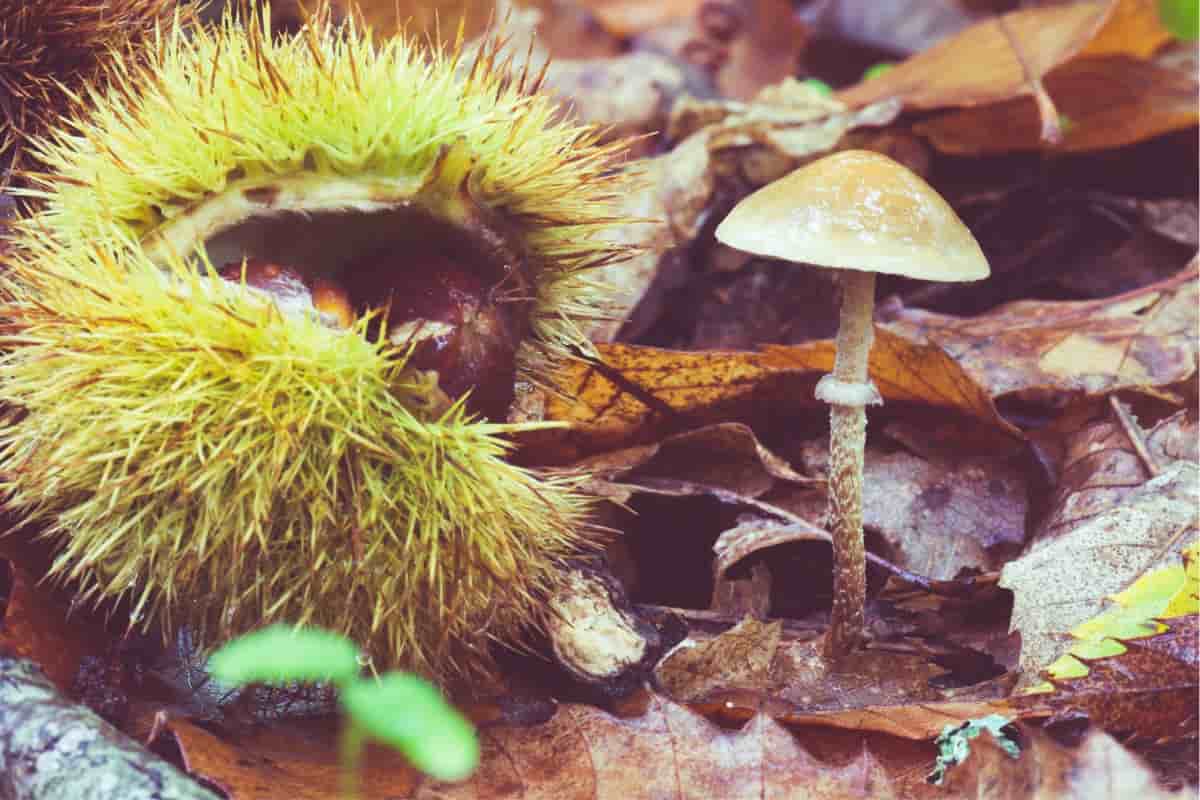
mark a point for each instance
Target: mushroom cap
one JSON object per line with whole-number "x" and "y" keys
{"x": 857, "y": 210}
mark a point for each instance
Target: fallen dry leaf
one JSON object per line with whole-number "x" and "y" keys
{"x": 637, "y": 394}
{"x": 40, "y": 624}
{"x": 388, "y": 17}
{"x": 1151, "y": 690}
{"x": 740, "y": 658}
{"x": 1142, "y": 339}
{"x": 296, "y": 761}
{"x": 905, "y": 369}
{"x": 1104, "y": 456}
{"x": 726, "y": 456}
{"x": 1065, "y": 580}
{"x": 1132, "y": 667}
{"x": 630, "y": 17}
{"x": 670, "y": 752}
{"x": 941, "y": 510}
{"x": 985, "y": 63}
{"x": 35, "y": 626}
{"x": 1133, "y": 28}
{"x": 1099, "y": 769}
{"x": 1105, "y": 102}
{"x": 1015, "y": 78}
{"x": 752, "y": 595}
{"x": 882, "y": 690}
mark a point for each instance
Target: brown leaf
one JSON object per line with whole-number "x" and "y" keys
{"x": 1100, "y": 463}
{"x": 672, "y": 752}
{"x": 1106, "y": 102}
{"x": 639, "y": 393}
{"x": 940, "y": 507}
{"x": 1073, "y": 77}
{"x": 740, "y": 658}
{"x": 905, "y": 369}
{"x": 1067, "y": 579}
{"x": 919, "y": 721}
{"x": 726, "y": 456}
{"x": 635, "y": 394}
{"x": 872, "y": 690}
{"x": 1099, "y": 769}
{"x": 296, "y": 761}
{"x": 630, "y": 17}
{"x": 1144, "y": 338}
{"x": 1133, "y": 28}
{"x": 752, "y": 595}
{"x": 1104, "y": 770}
{"x": 669, "y": 752}
{"x": 39, "y": 624}
{"x": 984, "y": 63}
{"x": 388, "y": 17}
{"x": 1151, "y": 689}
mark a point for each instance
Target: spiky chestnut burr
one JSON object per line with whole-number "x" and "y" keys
{"x": 225, "y": 459}
{"x": 51, "y": 49}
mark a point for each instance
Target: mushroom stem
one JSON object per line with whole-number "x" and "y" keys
{"x": 847, "y": 439}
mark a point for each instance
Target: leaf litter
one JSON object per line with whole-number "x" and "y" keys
{"x": 1034, "y": 544}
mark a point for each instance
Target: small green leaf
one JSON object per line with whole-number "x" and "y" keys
{"x": 822, "y": 88}
{"x": 875, "y": 70}
{"x": 282, "y": 654}
{"x": 1180, "y": 17}
{"x": 411, "y": 715}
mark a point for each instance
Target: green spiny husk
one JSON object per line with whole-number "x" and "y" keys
{"x": 235, "y": 108}
{"x": 192, "y": 449}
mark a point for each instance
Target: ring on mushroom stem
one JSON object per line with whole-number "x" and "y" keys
{"x": 862, "y": 213}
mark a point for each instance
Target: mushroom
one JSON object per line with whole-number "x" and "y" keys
{"x": 860, "y": 213}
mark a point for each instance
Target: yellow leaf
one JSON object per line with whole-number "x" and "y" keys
{"x": 1165, "y": 593}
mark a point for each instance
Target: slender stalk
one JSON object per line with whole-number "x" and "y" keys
{"x": 350, "y": 751}
{"x": 847, "y": 439}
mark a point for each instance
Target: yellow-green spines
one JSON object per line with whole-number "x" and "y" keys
{"x": 223, "y": 464}
{"x": 192, "y": 448}
{"x": 236, "y": 105}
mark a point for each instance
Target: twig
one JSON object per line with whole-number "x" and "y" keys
{"x": 1136, "y": 436}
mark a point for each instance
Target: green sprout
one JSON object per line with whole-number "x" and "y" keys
{"x": 954, "y": 744}
{"x": 398, "y": 709}
{"x": 819, "y": 86}
{"x": 875, "y": 70}
{"x": 1181, "y": 17}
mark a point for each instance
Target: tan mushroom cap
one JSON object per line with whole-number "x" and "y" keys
{"x": 857, "y": 210}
